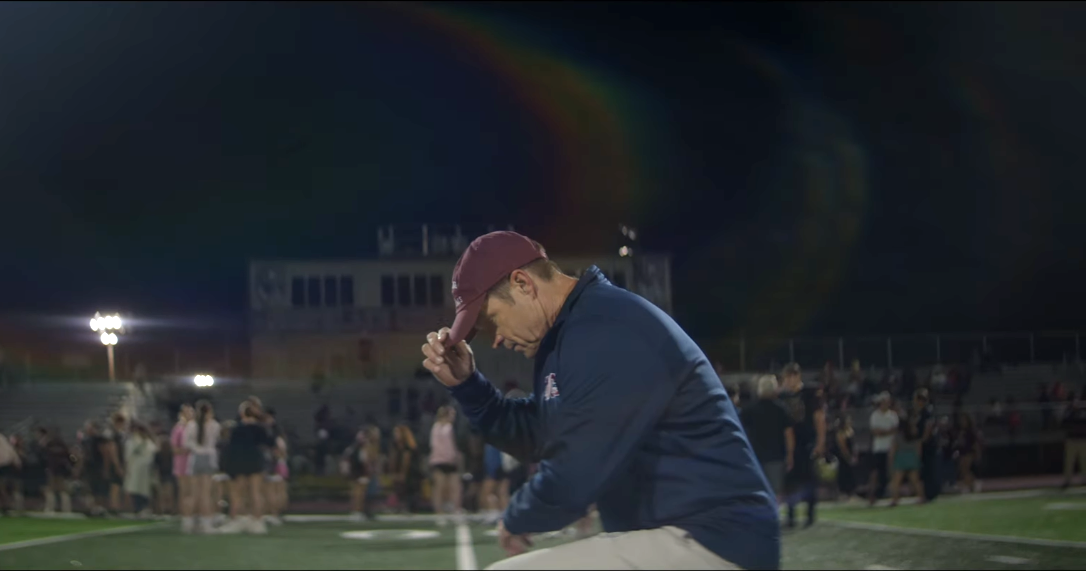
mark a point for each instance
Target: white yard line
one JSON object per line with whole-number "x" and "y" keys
{"x": 75, "y": 536}
{"x": 958, "y": 534}
{"x": 465, "y": 551}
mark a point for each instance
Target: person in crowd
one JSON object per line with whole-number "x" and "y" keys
{"x": 356, "y": 468}
{"x": 474, "y": 470}
{"x": 57, "y": 459}
{"x": 444, "y": 465}
{"x": 246, "y": 448}
{"x": 180, "y": 462}
{"x": 376, "y": 467}
{"x": 10, "y": 467}
{"x": 200, "y": 441}
{"x": 164, "y": 483}
{"x": 914, "y": 430}
{"x": 1074, "y": 444}
{"x": 495, "y": 479}
{"x": 220, "y": 482}
{"x": 884, "y": 425}
{"x": 139, "y": 454}
{"x": 844, "y": 449}
{"x": 948, "y": 467}
{"x": 769, "y": 428}
{"x": 808, "y": 411}
{"x": 929, "y": 446}
{"x": 403, "y": 465}
{"x": 275, "y": 486}
{"x": 1013, "y": 416}
{"x": 118, "y": 432}
{"x": 995, "y": 414}
{"x": 967, "y": 449}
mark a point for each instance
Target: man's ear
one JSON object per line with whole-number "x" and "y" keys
{"x": 522, "y": 282}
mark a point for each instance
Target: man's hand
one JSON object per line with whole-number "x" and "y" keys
{"x": 451, "y": 366}
{"x": 512, "y": 544}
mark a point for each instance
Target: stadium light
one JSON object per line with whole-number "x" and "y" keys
{"x": 203, "y": 381}
{"x": 110, "y": 326}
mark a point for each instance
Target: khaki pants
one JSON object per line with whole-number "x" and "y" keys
{"x": 1072, "y": 450}
{"x": 662, "y": 548}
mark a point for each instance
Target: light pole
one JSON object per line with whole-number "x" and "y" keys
{"x": 110, "y": 326}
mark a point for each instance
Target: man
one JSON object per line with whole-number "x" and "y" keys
{"x": 808, "y": 413}
{"x": 626, "y": 413}
{"x": 884, "y": 423}
{"x": 769, "y": 429}
{"x": 10, "y": 468}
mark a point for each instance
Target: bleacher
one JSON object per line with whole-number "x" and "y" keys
{"x": 64, "y": 405}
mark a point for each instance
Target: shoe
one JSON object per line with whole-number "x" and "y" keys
{"x": 273, "y": 520}
{"x": 441, "y": 521}
{"x": 233, "y": 526}
{"x": 188, "y": 525}
{"x": 257, "y": 527}
{"x": 356, "y": 517}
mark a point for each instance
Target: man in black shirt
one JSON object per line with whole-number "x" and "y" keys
{"x": 769, "y": 429}
{"x": 808, "y": 413}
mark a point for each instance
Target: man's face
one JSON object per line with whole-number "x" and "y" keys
{"x": 520, "y": 325}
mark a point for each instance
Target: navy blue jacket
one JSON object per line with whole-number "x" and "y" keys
{"x": 627, "y": 413}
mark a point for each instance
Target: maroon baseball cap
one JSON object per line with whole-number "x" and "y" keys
{"x": 486, "y": 262}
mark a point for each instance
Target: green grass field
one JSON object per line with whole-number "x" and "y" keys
{"x": 1045, "y": 531}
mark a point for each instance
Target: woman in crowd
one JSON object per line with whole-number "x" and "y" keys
{"x": 200, "y": 439}
{"x": 275, "y": 486}
{"x": 356, "y": 467}
{"x": 165, "y": 483}
{"x": 248, "y": 441}
{"x": 220, "y": 482}
{"x": 444, "y": 465}
{"x": 11, "y": 465}
{"x": 117, "y": 433}
{"x": 844, "y": 450}
{"x": 906, "y": 452}
{"x": 139, "y": 456}
{"x": 57, "y": 459}
{"x": 403, "y": 464}
{"x": 375, "y": 467}
{"x": 180, "y": 466}
{"x": 495, "y": 491}
{"x": 967, "y": 449}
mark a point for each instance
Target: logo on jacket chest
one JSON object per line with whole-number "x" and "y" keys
{"x": 550, "y": 388}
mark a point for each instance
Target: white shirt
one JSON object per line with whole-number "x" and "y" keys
{"x": 883, "y": 421}
{"x": 211, "y": 437}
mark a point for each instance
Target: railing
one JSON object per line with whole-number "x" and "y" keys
{"x": 768, "y": 353}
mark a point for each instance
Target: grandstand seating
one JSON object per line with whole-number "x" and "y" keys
{"x": 65, "y": 405}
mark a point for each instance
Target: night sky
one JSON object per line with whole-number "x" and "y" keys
{"x": 813, "y": 168}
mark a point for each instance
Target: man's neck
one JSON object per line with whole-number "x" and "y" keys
{"x": 557, "y": 294}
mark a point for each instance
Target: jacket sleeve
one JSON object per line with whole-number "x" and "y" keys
{"x": 510, "y": 425}
{"x": 613, "y": 388}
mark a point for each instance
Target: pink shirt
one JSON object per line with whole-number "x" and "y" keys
{"x": 442, "y": 444}
{"x": 177, "y": 441}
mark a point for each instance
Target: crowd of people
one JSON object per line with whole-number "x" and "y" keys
{"x": 804, "y": 438}
{"x": 232, "y": 476}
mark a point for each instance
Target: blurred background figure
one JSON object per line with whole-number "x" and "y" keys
{"x": 57, "y": 459}
{"x": 770, "y": 430}
{"x": 844, "y": 450}
{"x": 10, "y": 471}
{"x": 1074, "y": 445}
{"x": 139, "y": 453}
{"x": 404, "y": 468}
{"x": 180, "y": 462}
{"x": 884, "y": 425}
{"x": 201, "y": 439}
{"x": 278, "y": 472}
{"x": 967, "y": 449}
{"x": 248, "y": 441}
{"x": 444, "y": 466}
